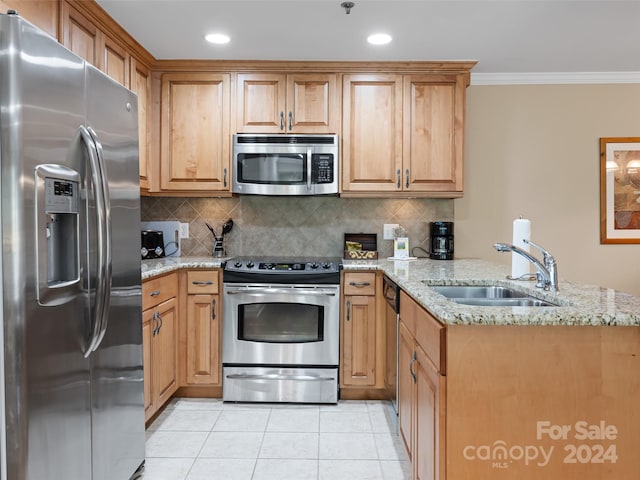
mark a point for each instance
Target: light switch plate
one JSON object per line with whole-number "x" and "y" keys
{"x": 184, "y": 230}
{"x": 387, "y": 232}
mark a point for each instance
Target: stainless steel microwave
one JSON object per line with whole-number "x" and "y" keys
{"x": 285, "y": 164}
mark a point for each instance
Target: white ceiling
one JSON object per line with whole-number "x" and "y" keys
{"x": 504, "y": 36}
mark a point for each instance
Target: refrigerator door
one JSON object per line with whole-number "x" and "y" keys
{"x": 47, "y": 414}
{"x": 117, "y": 396}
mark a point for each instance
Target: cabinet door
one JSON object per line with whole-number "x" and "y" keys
{"x": 140, "y": 84}
{"x": 261, "y": 103}
{"x": 203, "y": 340}
{"x": 428, "y": 450}
{"x": 405, "y": 387}
{"x": 372, "y": 133}
{"x": 312, "y": 103}
{"x": 195, "y": 132}
{"x": 164, "y": 353}
{"x": 43, "y": 14}
{"x": 359, "y": 341}
{"x": 433, "y": 118}
{"x": 81, "y": 36}
{"x": 115, "y": 61}
{"x": 148, "y": 326}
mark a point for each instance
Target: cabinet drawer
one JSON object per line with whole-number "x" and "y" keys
{"x": 363, "y": 283}
{"x": 428, "y": 332}
{"x": 202, "y": 281}
{"x": 157, "y": 290}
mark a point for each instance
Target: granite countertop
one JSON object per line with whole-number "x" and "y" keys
{"x": 578, "y": 304}
{"x": 160, "y": 266}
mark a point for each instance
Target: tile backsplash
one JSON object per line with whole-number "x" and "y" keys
{"x": 296, "y": 226}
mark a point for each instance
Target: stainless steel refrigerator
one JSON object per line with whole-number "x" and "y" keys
{"x": 71, "y": 363}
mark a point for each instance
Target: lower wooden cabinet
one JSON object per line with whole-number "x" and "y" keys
{"x": 421, "y": 397}
{"x": 362, "y": 337}
{"x": 159, "y": 341}
{"x": 202, "y": 352}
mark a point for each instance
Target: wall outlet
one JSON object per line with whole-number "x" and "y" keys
{"x": 184, "y": 230}
{"x": 387, "y": 232}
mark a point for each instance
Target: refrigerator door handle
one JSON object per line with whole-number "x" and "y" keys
{"x": 103, "y": 240}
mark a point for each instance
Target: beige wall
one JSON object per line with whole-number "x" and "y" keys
{"x": 533, "y": 150}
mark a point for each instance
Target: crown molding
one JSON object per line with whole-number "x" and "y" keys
{"x": 554, "y": 78}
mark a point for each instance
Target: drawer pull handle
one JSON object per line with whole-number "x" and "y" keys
{"x": 359, "y": 284}
{"x": 155, "y": 293}
{"x": 197, "y": 282}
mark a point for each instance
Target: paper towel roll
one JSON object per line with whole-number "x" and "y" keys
{"x": 521, "y": 231}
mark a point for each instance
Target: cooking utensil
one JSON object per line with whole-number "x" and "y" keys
{"x": 213, "y": 232}
{"x": 227, "y": 226}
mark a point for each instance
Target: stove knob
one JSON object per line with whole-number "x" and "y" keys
{"x": 250, "y": 264}
{"x": 237, "y": 264}
{"x": 326, "y": 265}
{"x": 314, "y": 265}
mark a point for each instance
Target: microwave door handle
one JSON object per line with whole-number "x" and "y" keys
{"x": 309, "y": 154}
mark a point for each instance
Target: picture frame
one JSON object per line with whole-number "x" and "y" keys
{"x": 619, "y": 190}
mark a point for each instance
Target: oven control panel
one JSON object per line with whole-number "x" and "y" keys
{"x": 258, "y": 265}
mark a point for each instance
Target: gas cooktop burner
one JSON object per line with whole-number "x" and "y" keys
{"x": 305, "y": 269}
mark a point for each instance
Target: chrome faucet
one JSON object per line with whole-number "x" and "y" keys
{"x": 547, "y": 270}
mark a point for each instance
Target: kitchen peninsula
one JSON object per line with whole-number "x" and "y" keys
{"x": 506, "y": 393}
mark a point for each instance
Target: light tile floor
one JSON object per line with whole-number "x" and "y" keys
{"x": 206, "y": 439}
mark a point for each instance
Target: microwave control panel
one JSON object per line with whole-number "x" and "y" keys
{"x": 322, "y": 168}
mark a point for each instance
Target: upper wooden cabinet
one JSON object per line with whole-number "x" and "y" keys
{"x": 84, "y": 38}
{"x": 140, "y": 83}
{"x": 81, "y": 35}
{"x": 195, "y": 132}
{"x": 43, "y": 14}
{"x": 403, "y": 134}
{"x": 372, "y": 133}
{"x": 287, "y": 103}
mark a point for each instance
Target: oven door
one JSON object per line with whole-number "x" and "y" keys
{"x": 285, "y": 325}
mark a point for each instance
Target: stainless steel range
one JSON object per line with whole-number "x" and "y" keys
{"x": 281, "y": 324}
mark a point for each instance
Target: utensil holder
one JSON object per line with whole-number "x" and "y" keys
{"x": 218, "y": 247}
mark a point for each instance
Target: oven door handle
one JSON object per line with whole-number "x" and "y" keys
{"x": 278, "y": 376}
{"x": 271, "y": 291}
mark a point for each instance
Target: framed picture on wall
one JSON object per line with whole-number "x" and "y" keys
{"x": 620, "y": 190}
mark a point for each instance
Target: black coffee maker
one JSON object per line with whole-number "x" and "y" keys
{"x": 441, "y": 240}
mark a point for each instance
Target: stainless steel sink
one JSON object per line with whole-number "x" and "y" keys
{"x": 478, "y": 291}
{"x": 490, "y": 296}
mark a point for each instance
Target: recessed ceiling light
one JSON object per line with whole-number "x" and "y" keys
{"x": 379, "y": 39}
{"x": 218, "y": 38}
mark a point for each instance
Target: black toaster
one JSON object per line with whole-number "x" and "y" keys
{"x": 152, "y": 244}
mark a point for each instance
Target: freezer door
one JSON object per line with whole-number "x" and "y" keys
{"x": 46, "y": 376}
{"x": 116, "y": 365}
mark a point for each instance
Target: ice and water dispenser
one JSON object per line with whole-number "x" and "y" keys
{"x": 57, "y": 233}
